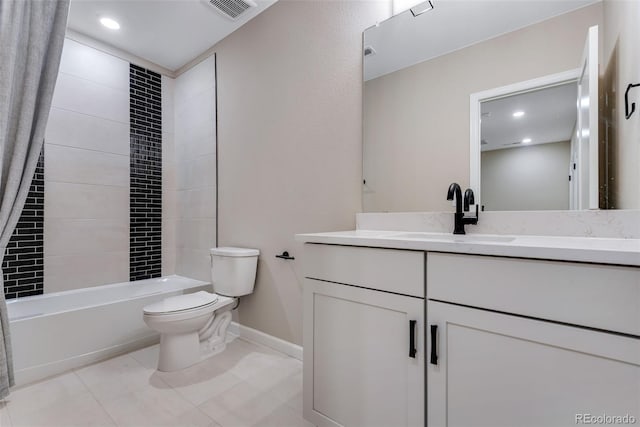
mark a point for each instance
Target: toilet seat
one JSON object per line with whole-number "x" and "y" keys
{"x": 182, "y": 304}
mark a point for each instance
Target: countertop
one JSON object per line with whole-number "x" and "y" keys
{"x": 580, "y": 249}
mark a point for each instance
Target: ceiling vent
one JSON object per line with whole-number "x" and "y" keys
{"x": 232, "y": 9}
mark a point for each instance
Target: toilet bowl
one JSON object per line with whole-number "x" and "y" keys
{"x": 193, "y": 326}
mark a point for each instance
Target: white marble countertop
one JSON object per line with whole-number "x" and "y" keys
{"x": 581, "y": 249}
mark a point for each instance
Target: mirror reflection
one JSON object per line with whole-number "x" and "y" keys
{"x": 569, "y": 150}
{"x": 526, "y": 149}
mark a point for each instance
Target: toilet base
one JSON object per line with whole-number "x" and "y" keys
{"x": 179, "y": 351}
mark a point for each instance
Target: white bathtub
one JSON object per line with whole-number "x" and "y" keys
{"x": 55, "y": 332}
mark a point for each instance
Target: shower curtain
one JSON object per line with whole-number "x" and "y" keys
{"x": 31, "y": 39}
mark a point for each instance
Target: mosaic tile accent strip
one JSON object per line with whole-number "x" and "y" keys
{"x": 23, "y": 264}
{"x": 145, "y": 238}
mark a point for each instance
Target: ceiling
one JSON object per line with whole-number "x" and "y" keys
{"x": 549, "y": 116}
{"x": 169, "y": 33}
{"x": 404, "y": 40}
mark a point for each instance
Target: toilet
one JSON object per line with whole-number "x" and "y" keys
{"x": 193, "y": 326}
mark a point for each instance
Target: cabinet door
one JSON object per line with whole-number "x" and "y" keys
{"x": 358, "y": 370}
{"x": 502, "y": 370}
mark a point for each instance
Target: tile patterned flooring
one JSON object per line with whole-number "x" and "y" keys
{"x": 246, "y": 385}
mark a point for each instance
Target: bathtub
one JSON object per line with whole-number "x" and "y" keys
{"x": 56, "y": 332}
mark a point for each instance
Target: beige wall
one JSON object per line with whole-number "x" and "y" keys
{"x": 417, "y": 119}
{"x": 621, "y": 66}
{"x": 526, "y": 178}
{"x": 289, "y": 142}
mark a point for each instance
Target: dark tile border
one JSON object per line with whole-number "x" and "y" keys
{"x": 23, "y": 264}
{"x": 145, "y": 201}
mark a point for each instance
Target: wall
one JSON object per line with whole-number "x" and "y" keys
{"x": 169, "y": 192}
{"x": 23, "y": 263}
{"x": 417, "y": 119}
{"x": 145, "y": 196}
{"x": 128, "y": 194}
{"x": 99, "y": 173}
{"x": 195, "y": 169}
{"x": 526, "y": 178}
{"x": 86, "y": 224}
{"x": 621, "y": 66}
{"x": 289, "y": 117}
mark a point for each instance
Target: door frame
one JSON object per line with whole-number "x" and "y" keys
{"x": 475, "y": 99}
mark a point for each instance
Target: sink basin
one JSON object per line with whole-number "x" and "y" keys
{"x": 458, "y": 238}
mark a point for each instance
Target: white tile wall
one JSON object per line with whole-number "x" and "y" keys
{"x": 195, "y": 233}
{"x": 168, "y": 178}
{"x": 196, "y": 173}
{"x": 89, "y": 269}
{"x": 68, "y": 164}
{"x": 195, "y": 163}
{"x": 197, "y": 203}
{"x": 94, "y": 65}
{"x": 76, "y": 201}
{"x": 72, "y": 129}
{"x": 88, "y": 97}
{"x": 83, "y": 236}
{"x": 86, "y": 228}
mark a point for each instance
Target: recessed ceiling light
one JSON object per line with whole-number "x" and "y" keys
{"x": 110, "y": 23}
{"x": 421, "y": 8}
{"x": 518, "y": 114}
{"x": 526, "y": 140}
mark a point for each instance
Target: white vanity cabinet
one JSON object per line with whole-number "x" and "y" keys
{"x": 516, "y": 342}
{"x": 364, "y": 337}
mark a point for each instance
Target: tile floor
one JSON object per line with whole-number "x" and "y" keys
{"x": 246, "y": 385}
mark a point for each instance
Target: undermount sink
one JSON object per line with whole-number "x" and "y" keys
{"x": 461, "y": 238}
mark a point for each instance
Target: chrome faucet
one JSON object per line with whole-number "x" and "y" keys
{"x": 459, "y": 219}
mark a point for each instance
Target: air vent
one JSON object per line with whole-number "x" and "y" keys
{"x": 232, "y": 9}
{"x": 369, "y": 51}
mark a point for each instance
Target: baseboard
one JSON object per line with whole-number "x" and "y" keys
{"x": 267, "y": 340}
{"x": 37, "y": 373}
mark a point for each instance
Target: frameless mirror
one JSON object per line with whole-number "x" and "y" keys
{"x": 441, "y": 89}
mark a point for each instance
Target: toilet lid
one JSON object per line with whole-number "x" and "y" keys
{"x": 181, "y": 302}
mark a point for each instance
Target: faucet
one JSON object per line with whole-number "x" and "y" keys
{"x": 459, "y": 219}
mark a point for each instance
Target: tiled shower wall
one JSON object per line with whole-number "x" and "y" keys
{"x": 23, "y": 261}
{"x": 130, "y": 176}
{"x": 195, "y": 143}
{"x": 146, "y": 174}
{"x": 86, "y": 215}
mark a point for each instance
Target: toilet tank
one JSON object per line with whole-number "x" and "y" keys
{"x": 233, "y": 270}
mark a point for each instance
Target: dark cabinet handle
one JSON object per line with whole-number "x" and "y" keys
{"x": 434, "y": 339}
{"x": 412, "y": 339}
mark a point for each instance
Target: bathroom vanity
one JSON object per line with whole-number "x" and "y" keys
{"x": 414, "y": 329}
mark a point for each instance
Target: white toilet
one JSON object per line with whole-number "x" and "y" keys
{"x": 193, "y": 326}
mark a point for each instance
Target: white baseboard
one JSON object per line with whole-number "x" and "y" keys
{"x": 36, "y": 373}
{"x": 267, "y": 340}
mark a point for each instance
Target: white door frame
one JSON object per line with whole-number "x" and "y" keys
{"x": 497, "y": 93}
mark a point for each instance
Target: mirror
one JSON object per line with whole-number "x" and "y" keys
{"x": 437, "y": 84}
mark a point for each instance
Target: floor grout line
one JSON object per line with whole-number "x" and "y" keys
{"x": 263, "y": 380}
{"x": 95, "y": 397}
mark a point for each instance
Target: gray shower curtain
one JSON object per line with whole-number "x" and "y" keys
{"x": 31, "y": 39}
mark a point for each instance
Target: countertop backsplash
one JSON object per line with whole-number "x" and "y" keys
{"x": 598, "y": 223}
